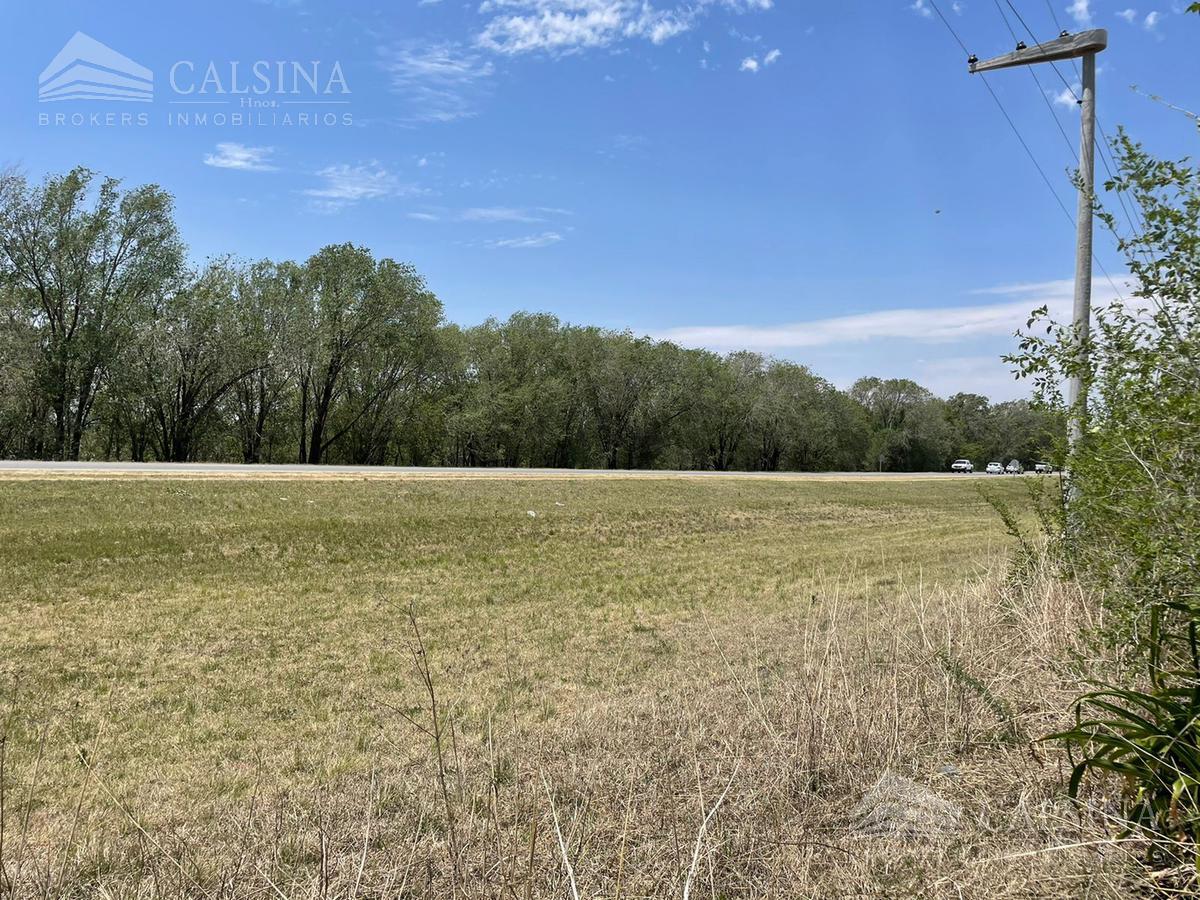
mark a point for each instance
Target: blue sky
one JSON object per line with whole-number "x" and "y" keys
{"x": 821, "y": 181}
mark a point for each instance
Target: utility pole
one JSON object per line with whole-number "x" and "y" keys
{"x": 1086, "y": 44}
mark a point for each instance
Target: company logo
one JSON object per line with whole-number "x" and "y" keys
{"x": 207, "y": 93}
{"x": 86, "y": 69}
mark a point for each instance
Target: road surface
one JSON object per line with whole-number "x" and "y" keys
{"x": 17, "y": 469}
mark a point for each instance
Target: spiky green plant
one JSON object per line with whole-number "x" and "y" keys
{"x": 1151, "y": 738}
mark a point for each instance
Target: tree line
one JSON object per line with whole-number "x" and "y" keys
{"x": 113, "y": 346}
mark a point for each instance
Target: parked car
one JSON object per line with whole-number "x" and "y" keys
{"x": 1044, "y": 468}
{"x": 995, "y": 468}
{"x": 962, "y": 465}
{"x": 1015, "y": 468}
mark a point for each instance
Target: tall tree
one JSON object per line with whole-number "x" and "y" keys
{"x": 908, "y": 425}
{"x": 270, "y": 308}
{"x": 188, "y": 357}
{"x": 88, "y": 275}
{"x": 364, "y": 324}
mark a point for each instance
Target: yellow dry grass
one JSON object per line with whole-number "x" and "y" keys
{"x": 648, "y": 688}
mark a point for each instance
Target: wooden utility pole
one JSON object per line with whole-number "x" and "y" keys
{"x": 1086, "y": 44}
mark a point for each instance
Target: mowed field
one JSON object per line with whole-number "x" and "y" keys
{"x": 182, "y": 660}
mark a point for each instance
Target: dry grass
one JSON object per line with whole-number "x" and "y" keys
{"x": 654, "y": 691}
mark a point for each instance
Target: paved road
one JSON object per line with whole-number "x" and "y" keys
{"x": 32, "y": 468}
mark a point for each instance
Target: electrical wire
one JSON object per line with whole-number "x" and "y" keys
{"x": 1004, "y": 112}
{"x": 1041, "y": 90}
{"x": 1025, "y": 144}
{"x": 1136, "y": 222}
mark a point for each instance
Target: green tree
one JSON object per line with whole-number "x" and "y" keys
{"x": 20, "y": 412}
{"x": 270, "y": 311}
{"x": 908, "y": 425}
{"x": 186, "y": 358}
{"x": 518, "y": 405}
{"x": 87, "y": 266}
{"x": 361, "y": 336}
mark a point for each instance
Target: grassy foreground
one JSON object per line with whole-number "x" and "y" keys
{"x": 518, "y": 688}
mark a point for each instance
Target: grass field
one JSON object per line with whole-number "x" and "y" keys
{"x": 423, "y": 687}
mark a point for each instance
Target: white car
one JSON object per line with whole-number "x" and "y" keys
{"x": 994, "y": 468}
{"x": 1044, "y": 468}
{"x": 962, "y": 465}
{"x": 1015, "y": 468}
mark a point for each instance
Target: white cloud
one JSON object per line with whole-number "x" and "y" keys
{"x": 934, "y": 325}
{"x": 1151, "y": 21}
{"x": 1081, "y": 11}
{"x": 348, "y": 184}
{"x": 1068, "y": 96}
{"x": 230, "y": 155}
{"x": 1128, "y": 15}
{"x": 528, "y": 242}
{"x": 921, "y": 8}
{"x": 751, "y": 63}
{"x": 441, "y": 82}
{"x": 499, "y": 214}
{"x": 564, "y": 26}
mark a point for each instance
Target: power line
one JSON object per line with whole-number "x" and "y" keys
{"x": 1037, "y": 81}
{"x": 1054, "y": 15}
{"x": 1136, "y": 224}
{"x": 949, "y": 27}
{"x": 1004, "y": 112}
{"x": 1025, "y": 144}
{"x": 1032, "y": 158}
{"x": 1101, "y": 145}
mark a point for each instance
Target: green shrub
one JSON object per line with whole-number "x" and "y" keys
{"x": 1135, "y": 510}
{"x": 1132, "y": 533}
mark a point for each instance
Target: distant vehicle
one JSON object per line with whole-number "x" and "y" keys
{"x": 1015, "y": 468}
{"x": 995, "y": 468}
{"x": 962, "y": 465}
{"x": 1044, "y": 468}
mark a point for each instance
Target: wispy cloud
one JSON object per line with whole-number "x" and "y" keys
{"x": 751, "y": 63}
{"x": 346, "y": 184}
{"x": 500, "y": 214}
{"x": 527, "y": 242}
{"x": 928, "y": 326}
{"x": 440, "y": 82}
{"x": 564, "y": 26}
{"x": 491, "y": 215}
{"x": 230, "y": 155}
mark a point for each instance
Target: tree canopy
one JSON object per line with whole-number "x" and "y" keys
{"x": 113, "y": 347}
